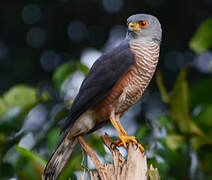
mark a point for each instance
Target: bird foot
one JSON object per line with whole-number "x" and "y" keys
{"x": 124, "y": 141}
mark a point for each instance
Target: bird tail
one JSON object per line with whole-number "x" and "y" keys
{"x": 59, "y": 158}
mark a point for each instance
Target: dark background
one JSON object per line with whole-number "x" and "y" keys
{"x": 21, "y": 63}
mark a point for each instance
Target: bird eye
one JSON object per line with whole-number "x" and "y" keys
{"x": 142, "y": 24}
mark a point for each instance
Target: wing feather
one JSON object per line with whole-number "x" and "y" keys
{"x": 101, "y": 78}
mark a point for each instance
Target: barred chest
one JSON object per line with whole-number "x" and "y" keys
{"x": 138, "y": 77}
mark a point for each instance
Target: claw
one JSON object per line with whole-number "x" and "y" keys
{"x": 124, "y": 141}
{"x": 141, "y": 147}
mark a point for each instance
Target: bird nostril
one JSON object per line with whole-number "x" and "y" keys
{"x": 131, "y": 25}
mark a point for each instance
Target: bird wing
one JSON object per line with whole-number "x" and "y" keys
{"x": 101, "y": 78}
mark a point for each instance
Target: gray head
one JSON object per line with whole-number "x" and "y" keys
{"x": 144, "y": 27}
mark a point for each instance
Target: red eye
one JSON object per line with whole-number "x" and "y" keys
{"x": 142, "y": 24}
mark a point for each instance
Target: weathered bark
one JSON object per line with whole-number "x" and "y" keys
{"x": 132, "y": 168}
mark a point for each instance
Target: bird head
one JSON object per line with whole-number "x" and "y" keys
{"x": 144, "y": 27}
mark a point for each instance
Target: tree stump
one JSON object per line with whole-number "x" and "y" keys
{"x": 132, "y": 168}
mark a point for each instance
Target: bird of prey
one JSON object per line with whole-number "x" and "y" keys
{"x": 115, "y": 82}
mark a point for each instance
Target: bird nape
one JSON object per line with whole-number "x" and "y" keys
{"x": 114, "y": 83}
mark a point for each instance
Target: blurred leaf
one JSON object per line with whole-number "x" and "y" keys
{"x": 174, "y": 141}
{"x": 172, "y": 160}
{"x": 167, "y": 123}
{"x": 95, "y": 142}
{"x": 141, "y": 132}
{"x": 179, "y": 104}
{"x": 21, "y": 95}
{"x": 63, "y": 72}
{"x": 44, "y": 97}
{"x": 8, "y": 127}
{"x": 53, "y": 139}
{"x": 73, "y": 165}
{"x": 3, "y": 142}
{"x": 3, "y": 107}
{"x": 205, "y": 158}
{"x": 205, "y": 117}
{"x": 83, "y": 68}
{"x": 162, "y": 89}
{"x": 62, "y": 114}
{"x": 37, "y": 162}
{"x": 6, "y": 170}
{"x": 24, "y": 175}
{"x": 200, "y": 93}
{"x": 202, "y": 39}
{"x": 31, "y": 156}
{"x": 204, "y": 120}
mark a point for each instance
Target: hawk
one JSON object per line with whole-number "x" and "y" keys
{"x": 115, "y": 82}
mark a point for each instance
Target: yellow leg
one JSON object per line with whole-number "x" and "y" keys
{"x": 122, "y": 129}
{"x": 124, "y": 139}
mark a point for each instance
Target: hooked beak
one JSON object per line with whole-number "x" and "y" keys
{"x": 133, "y": 27}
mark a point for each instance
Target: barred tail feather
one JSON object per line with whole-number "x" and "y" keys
{"x": 59, "y": 159}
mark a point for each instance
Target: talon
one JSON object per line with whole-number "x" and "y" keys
{"x": 124, "y": 141}
{"x": 141, "y": 147}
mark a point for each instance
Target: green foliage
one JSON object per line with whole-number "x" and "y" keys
{"x": 200, "y": 93}
{"x": 36, "y": 162}
{"x": 202, "y": 40}
{"x": 20, "y": 96}
{"x": 185, "y": 131}
{"x": 179, "y": 106}
{"x": 187, "y": 124}
{"x": 95, "y": 142}
{"x": 174, "y": 141}
{"x": 65, "y": 70}
{"x": 53, "y": 138}
{"x": 73, "y": 165}
{"x": 162, "y": 89}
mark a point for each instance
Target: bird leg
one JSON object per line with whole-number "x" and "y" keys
{"x": 124, "y": 139}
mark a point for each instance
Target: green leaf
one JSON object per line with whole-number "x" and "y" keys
{"x": 73, "y": 165}
{"x": 141, "y": 132}
{"x": 167, "y": 123}
{"x": 162, "y": 89}
{"x": 205, "y": 158}
{"x": 21, "y": 95}
{"x": 204, "y": 120}
{"x": 37, "y": 162}
{"x": 65, "y": 70}
{"x": 174, "y": 141}
{"x": 83, "y": 68}
{"x": 3, "y": 107}
{"x": 24, "y": 175}
{"x": 62, "y": 73}
{"x": 31, "y": 155}
{"x": 53, "y": 138}
{"x": 6, "y": 170}
{"x": 200, "y": 93}
{"x": 62, "y": 114}
{"x": 202, "y": 39}
{"x": 95, "y": 142}
{"x": 179, "y": 104}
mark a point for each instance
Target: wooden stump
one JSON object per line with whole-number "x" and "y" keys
{"x": 132, "y": 168}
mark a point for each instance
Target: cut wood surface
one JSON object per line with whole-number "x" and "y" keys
{"x": 132, "y": 168}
